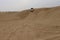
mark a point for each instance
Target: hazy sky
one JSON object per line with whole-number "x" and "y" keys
{"x": 13, "y": 5}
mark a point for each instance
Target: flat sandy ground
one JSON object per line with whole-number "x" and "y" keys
{"x": 41, "y": 24}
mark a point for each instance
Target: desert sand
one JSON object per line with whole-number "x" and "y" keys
{"x": 41, "y": 24}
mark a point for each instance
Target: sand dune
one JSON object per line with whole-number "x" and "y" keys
{"x": 41, "y": 24}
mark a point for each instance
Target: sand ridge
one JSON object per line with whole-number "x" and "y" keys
{"x": 41, "y": 24}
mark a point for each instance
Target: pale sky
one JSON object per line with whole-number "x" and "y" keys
{"x": 17, "y": 5}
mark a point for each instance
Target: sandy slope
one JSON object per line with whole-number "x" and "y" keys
{"x": 42, "y": 24}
